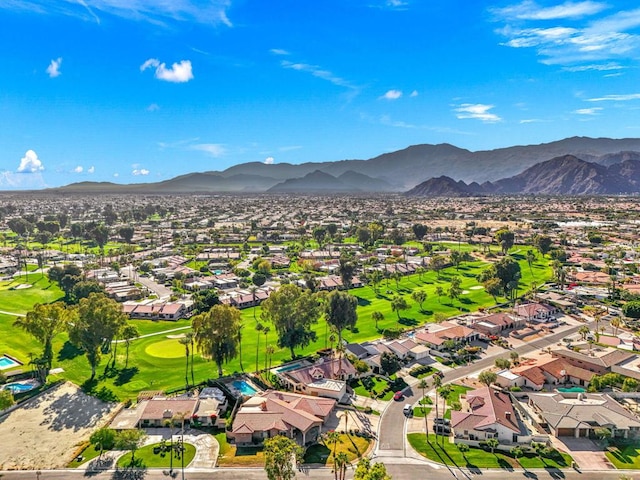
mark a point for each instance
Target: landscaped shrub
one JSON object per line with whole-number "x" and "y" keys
{"x": 420, "y": 370}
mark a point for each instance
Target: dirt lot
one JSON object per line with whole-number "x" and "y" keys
{"x": 44, "y": 431}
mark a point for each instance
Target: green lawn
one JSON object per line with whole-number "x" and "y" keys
{"x": 352, "y": 445}
{"x": 89, "y": 453}
{"x": 145, "y": 457}
{"x": 147, "y": 370}
{"x": 479, "y": 458}
{"x": 624, "y": 457}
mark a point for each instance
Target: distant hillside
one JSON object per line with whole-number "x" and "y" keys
{"x": 566, "y": 175}
{"x": 394, "y": 171}
{"x": 313, "y": 182}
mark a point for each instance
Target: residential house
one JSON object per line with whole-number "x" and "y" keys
{"x": 325, "y": 378}
{"x": 496, "y": 323}
{"x": 537, "y": 313}
{"x": 435, "y": 339}
{"x": 271, "y": 413}
{"x": 598, "y": 360}
{"x": 487, "y": 413}
{"x": 581, "y": 414}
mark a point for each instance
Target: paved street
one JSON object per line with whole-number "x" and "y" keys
{"x": 392, "y": 425}
{"x": 402, "y": 469}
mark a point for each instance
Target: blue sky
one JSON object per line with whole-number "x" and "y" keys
{"x": 144, "y": 90}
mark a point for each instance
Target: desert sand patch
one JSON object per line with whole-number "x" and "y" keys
{"x": 44, "y": 431}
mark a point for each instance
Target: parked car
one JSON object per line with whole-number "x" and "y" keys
{"x": 398, "y": 395}
{"x": 442, "y": 421}
{"x": 407, "y": 410}
{"x": 441, "y": 429}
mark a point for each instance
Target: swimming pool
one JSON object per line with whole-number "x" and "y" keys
{"x": 6, "y": 362}
{"x": 572, "y": 390}
{"x": 243, "y": 387}
{"x": 20, "y": 387}
{"x": 289, "y": 367}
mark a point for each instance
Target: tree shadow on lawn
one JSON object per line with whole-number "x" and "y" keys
{"x": 363, "y": 302}
{"x": 134, "y": 471}
{"x": 620, "y": 455}
{"x": 502, "y": 463}
{"x": 409, "y": 322}
{"x": 68, "y": 351}
{"x": 125, "y": 375}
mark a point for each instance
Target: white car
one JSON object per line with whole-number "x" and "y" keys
{"x": 408, "y": 410}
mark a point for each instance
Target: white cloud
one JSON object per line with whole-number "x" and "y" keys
{"x": 316, "y": 71}
{"x": 30, "y": 163}
{"x": 91, "y": 169}
{"x": 289, "y": 148}
{"x": 210, "y": 12}
{"x": 269, "y": 161}
{"x": 116, "y": 175}
{"x": 530, "y": 120}
{"x": 477, "y": 111}
{"x": 140, "y": 171}
{"x": 154, "y": 107}
{"x": 392, "y": 95}
{"x": 213, "y": 149}
{"x": 178, "y": 73}
{"x": 414, "y": 93}
{"x": 602, "y": 67}
{"x": 530, "y": 10}
{"x": 279, "y": 51}
{"x": 54, "y": 68}
{"x": 602, "y": 39}
{"x": 78, "y": 169}
{"x": 616, "y": 98}
{"x": 588, "y": 111}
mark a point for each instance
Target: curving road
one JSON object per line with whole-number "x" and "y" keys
{"x": 391, "y": 431}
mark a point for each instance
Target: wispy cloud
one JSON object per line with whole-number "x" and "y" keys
{"x": 530, "y": 10}
{"x": 53, "y": 70}
{"x": 211, "y": 12}
{"x": 414, "y": 93}
{"x": 601, "y": 67}
{"x": 279, "y": 51}
{"x": 582, "y": 41}
{"x": 477, "y": 111}
{"x": 214, "y": 149}
{"x": 588, "y": 111}
{"x": 319, "y": 72}
{"x": 616, "y": 98}
{"x": 136, "y": 172}
{"x": 530, "y": 120}
{"x": 289, "y": 148}
{"x": 392, "y": 95}
{"x": 180, "y": 72}
{"x": 390, "y": 4}
{"x": 389, "y": 122}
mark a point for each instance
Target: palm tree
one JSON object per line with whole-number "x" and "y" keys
{"x": 584, "y": 331}
{"x": 266, "y": 331}
{"x": 332, "y": 437}
{"x": 191, "y": 338}
{"x": 340, "y": 463}
{"x": 444, "y": 393}
{"x": 270, "y": 351}
{"x": 259, "y": 328}
{"x": 531, "y": 257}
{"x": 437, "y": 382}
{"x": 186, "y": 342}
{"x": 240, "y": 345}
{"x": 170, "y": 423}
{"x": 129, "y": 332}
{"x": 424, "y": 385}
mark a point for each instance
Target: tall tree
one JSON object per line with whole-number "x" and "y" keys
{"x": 130, "y": 440}
{"x": 399, "y": 303}
{"x": 505, "y": 239}
{"x": 370, "y": 471}
{"x": 455, "y": 290}
{"x": 281, "y": 457}
{"x": 419, "y": 296}
{"x": 487, "y": 377}
{"x": 44, "y": 322}
{"x": 216, "y": 334}
{"x": 437, "y": 263}
{"x": 187, "y": 344}
{"x": 419, "y": 230}
{"x": 259, "y": 329}
{"x": 293, "y": 312}
{"x": 423, "y": 385}
{"x": 377, "y": 317}
{"x": 95, "y": 324}
{"x": 346, "y": 270}
{"x": 340, "y": 311}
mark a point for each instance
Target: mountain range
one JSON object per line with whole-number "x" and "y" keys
{"x": 402, "y": 170}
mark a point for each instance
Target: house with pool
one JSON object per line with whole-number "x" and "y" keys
{"x": 324, "y": 378}
{"x": 271, "y": 413}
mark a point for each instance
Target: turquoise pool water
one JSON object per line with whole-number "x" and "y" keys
{"x": 244, "y": 388}
{"x": 6, "y": 362}
{"x": 292, "y": 366}
{"x": 18, "y": 387}
{"x": 572, "y": 390}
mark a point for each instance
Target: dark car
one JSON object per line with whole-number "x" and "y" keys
{"x": 442, "y": 421}
{"x": 441, "y": 429}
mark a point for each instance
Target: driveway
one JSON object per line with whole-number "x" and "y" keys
{"x": 207, "y": 449}
{"x": 585, "y": 453}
